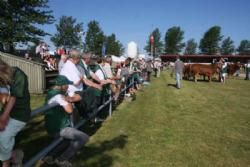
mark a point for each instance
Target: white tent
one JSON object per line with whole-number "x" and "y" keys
{"x": 118, "y": 59}
{"x": 142, "y": 56}
{"x": 132, "y": 50}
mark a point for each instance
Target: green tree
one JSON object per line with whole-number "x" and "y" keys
{"x": 68, "y": 33}
{"x": 244, "y": 48}
{"x": 209, "y": 44}
{"x": 158, "y": 45}
{"x": 227, "y": 46}
{"x": 173, "y": 40}
{"x": 191, "y": 47}
{"x": 19, "y": 20}
{"x": 113, "y": 46}
{"x": 94, "y": 38}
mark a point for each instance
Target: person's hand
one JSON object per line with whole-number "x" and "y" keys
{"x": 103, "y": 82}
{"x": 4, "y": 119}
{"x": 113, "y": 82}
{"x": 99, "y": 86}
{"x": 4, "y": 98}
{"x": 2, "y": 126}
{"x": 68, "y": 99}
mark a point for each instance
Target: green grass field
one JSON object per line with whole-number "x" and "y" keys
{"x": 202, "y": 124}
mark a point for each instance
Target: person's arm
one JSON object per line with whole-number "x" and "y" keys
{"x": 68, "y": 108}
{"x": 62, "y": 101}
{"x": 92, "y": 84}
{"x": 94, "y": 76}
{"x": 4, "y": 118}
{"x": 74, "y": 98}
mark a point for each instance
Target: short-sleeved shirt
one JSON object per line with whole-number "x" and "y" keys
{"x": 70, "y": 71}
{"x": 100, "y": 73}
{"x": 107, "y": 70}
{"x": 56, "y": 118}
{"x": 19, "y": 89}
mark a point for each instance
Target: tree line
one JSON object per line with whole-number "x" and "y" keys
{"x": 212, "y": 43}
{"x": 19, "y": 22}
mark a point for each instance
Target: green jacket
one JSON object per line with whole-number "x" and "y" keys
{"x": 19, "y": 88}
{"x": 56, "y": 118}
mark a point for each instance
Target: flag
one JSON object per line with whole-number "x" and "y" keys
{"x": 103, "y": 49}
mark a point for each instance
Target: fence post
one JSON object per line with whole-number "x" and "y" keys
{"x": 110, "y": 103}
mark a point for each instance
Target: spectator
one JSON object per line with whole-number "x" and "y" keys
{"x": 57, "y": 120}
{"x": 149, "y": 69}
{"x": 178, "y": 66}
{"x": 248, "y": 70}
{"x": 84, "y": 63}
{"x": 223, "y": 71}
{"x": 16, "y": 112}
{"x": 70, "y": 71}
{"x": 27, "y": 56}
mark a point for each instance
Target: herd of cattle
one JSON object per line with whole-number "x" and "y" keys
{"x": 207, "y": 70}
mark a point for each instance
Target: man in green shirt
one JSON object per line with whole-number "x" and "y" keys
{"x": 16, "y": 111}
{"x": 57, "y": 120}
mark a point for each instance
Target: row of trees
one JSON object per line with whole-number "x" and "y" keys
{"x": 211, "y": 43}
{"x": 69, "y": 34}
{"x": 19, "y": 22}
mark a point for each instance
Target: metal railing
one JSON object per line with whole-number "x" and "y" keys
{"x": 57, "y": 141}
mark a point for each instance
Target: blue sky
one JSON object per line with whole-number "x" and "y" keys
{"x": 133, "y": 20}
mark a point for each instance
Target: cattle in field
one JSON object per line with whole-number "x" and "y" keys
{"x": 187, "y": 71}
{"x": 206, "y": 70}
{"x": 232, "y": 68}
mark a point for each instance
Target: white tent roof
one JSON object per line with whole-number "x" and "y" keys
{"x": 118, "y": 59}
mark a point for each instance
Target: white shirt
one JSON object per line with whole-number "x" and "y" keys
{"x": 100, "y": 73}
{"x": 58, "y": 99}
{"x": 118, "y": 74}
{"x": 60, "y": 65}
{"x": 107, "y": 70}
{"x": 70, "y": 71}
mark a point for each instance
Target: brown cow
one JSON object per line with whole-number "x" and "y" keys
{"x": 204, "y": 69}
{"x": 232, "y": 68}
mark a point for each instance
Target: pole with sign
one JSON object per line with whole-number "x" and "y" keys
{"x": 152, "y": 40}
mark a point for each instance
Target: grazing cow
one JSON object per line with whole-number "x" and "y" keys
{"x": 203, "y": 69}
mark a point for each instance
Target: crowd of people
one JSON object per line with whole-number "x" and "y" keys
{"x": 84, "y": 81}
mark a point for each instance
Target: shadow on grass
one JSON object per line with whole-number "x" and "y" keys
{"x": 172, "y": 85}
{"x": 97, "y": 155}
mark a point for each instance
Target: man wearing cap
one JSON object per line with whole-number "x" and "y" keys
{"x": 57, "y": 120}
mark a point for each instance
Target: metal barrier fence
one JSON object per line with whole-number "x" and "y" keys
{"x": 56, "y": 142}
